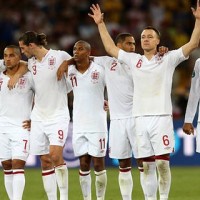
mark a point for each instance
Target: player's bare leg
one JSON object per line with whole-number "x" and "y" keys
{"x": 101, "y": 177}
{"x": 85, "y": 176}
{"x": 8, "y": 177}
{"x": 61, "y": 170}
{"x": 48, "y": 177}
{"x": 162, "y": 163}
{"x": 125, "y": 178}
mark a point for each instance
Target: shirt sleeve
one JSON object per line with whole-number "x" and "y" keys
{"x": 102, "y": 60}
{"x": 65, "y": 55}
{"x": 2, "y": 66}
{"x": 194, "y": 94}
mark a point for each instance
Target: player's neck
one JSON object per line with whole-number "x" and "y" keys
{"x": 41, "y": 53}
{"x": 11, "y": 71}
{"x": 150, "y": 54}
{"x": 82, "y": 66}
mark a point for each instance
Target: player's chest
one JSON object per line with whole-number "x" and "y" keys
{"x": 22, "y": 86}
{"x": 89, "y": 79}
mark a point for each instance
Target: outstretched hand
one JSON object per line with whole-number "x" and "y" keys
{"x": 97, "y": 15}
{"x": 196, "y": 12}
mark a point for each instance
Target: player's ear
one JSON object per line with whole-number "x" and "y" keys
{"x": 158, "y": 41}
{"x": 31, "y": 44}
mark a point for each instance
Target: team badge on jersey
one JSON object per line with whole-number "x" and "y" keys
{"x": 95, "y": 76}
{"x": 21, "y": 83}
{"x": 51, "y": 63}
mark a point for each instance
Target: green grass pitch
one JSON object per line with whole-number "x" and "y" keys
{"x": 185, "y": 185}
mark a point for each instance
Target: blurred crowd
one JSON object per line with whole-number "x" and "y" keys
{"x": 65, "y": 22}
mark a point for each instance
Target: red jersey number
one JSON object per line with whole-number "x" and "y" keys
{"x": 139, "y": 63}
{"x": 34, "y": 69}
{"x": 113, "y": 67}
{"x": 60, "y": 134}
{"x": 102, "y": 142}
{"x": 165, "y": 140}
{"x": 73, "y": 81}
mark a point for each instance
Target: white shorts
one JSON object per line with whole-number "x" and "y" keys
{"x": 198, "y": 138}
{"x": 94, "y": 144}
{"x": 44, "y": 134}
{"x": 122, "y": 139}
{"x": 154, "y": 135}
{"x": 14, "y": 144}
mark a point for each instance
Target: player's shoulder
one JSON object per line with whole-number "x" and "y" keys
{"x": 197, "y": 62}
{"x": 96, "y": 66}
{"x": 103, "y": 58}
{"x": 175, "y": 51}
{"x": 59, "y": 52}
{"x": 2, "y": 66}
{"x": 72, "y": 69}
{"x": 31, "y": 61}
{"x": 28, "y": 75}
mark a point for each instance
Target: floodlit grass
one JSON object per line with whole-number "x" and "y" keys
{"x": 185, "y": 185}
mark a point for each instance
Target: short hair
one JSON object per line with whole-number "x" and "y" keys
{"x": 154, "y": 29}
{"x": 33, "y": 37}
{"x": 86, "y": 44}
{"x": 16, "y": 49}
{"x": 121, "y": 37}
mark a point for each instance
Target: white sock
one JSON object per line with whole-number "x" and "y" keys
{"x": 8, "y": 182}
{"x": 148, "y": 179}
{"x": 49, "y": 182}
{"x": 142, "y": 182}
{"x": 62, "y": 181}
{"x": 164, "y": 178}
{"x": 101, "y": 183}
{"x": 125, "y": 183}
{"x": 85, "y": 182}
{"x": 18, "y": 183}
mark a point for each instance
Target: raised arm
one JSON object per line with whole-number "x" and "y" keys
{"x": 195, "y": 37}
{"x": 108, "y": 43}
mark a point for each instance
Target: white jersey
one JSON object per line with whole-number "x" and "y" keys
{"x": 88, "y": 88}
{"x": 152, "y": 81}
{"x": 2, "y": 66}
{"x": 15, "y": 104}
{"x": 194, "y": 95}
{"x": 51, "y": 101}
{"x": 119, "y": 83}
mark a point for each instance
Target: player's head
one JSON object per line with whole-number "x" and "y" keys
{"x": 126, "y": 42}
{"x": 81, "y": 50}
{"x": 150, "y": 38}
{"x": 30, "y": 40}
{"x": 12, "y": 56}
